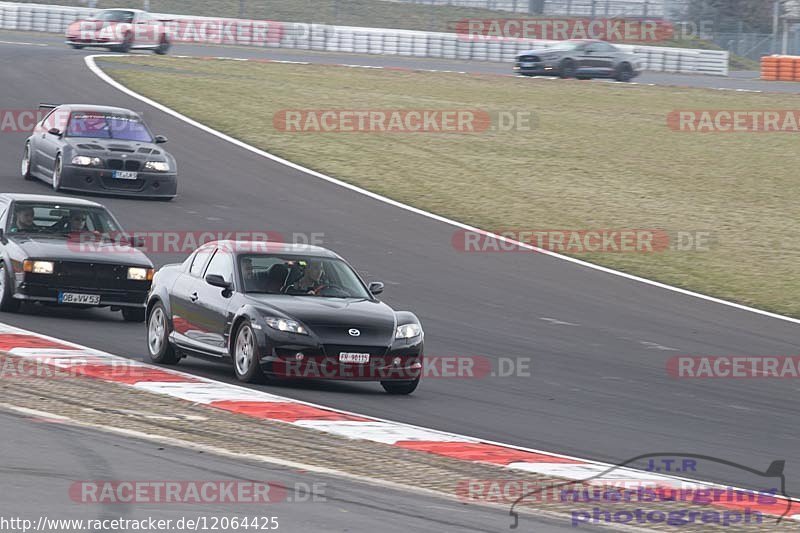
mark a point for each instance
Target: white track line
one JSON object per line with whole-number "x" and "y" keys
{"x": 90, "y": 62}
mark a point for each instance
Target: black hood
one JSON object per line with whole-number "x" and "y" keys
{"x": 93, "y": 146}
{"x": 60, "y": 248}
{"x": 332, "y": 318}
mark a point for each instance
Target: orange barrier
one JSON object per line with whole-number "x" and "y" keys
{"x": 781, "y": 68}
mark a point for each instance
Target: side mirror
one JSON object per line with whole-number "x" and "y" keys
{"x": 54, "y": 131}
{"x": 2, "y": 236}
{"x": 160, "y": 139}
{"x": 376, "y": 287}
{"x": 216, "y": 280}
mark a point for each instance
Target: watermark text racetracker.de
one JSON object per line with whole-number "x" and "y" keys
{"x": 582, "y": 241}
{"x": 185, "y": 242}
{"x": 734, "y": 120}
{"x": 734, "y": 366}
{"x": 379, "y": 121}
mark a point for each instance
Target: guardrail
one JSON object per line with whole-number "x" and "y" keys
{"x": 55, "y": 19}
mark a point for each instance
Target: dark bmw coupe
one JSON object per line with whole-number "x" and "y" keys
{"x": 281, "y": 311}
{"x": 58, "y": 251}
{"x": 99, "y": 149}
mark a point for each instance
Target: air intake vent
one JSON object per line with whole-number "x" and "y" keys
{"x": 90, "y": 146}
{"x": 120, "y": 148}
{"x": 145, "y": 150}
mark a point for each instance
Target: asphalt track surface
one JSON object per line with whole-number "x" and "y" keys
{"x": 598, "y": 343}
{"x": 42, "y": 460}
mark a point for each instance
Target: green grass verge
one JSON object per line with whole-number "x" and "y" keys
{"x": 601, "y": 156}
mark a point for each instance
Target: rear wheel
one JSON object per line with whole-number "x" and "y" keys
{"x": 125, "y": 45}
{"x": 133, "y": 314}
{"x": 163, "y": 46}
{"x": 57, "y": 169}
{"x": 7, "y": 301}
{"x": 25, "y": 167}
{"x": 76, "y": 46}
{"x": 245, "y": 356}
{"x": 158, "y": 345}
{"x": 400, "y": 387}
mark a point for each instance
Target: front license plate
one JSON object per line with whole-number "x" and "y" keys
{"x": 352, "y": 357}
{"x": 526, "y": 65}
{"x": 75, "y": 298}
{"x": 125, "y": 175}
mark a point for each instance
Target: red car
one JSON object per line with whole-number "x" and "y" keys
{"x": 120, "y": 30}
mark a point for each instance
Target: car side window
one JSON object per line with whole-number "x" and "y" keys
{"x": 221, "y": 265}
{"x": 199, "y": 261}
{"x": 605, "y": 48}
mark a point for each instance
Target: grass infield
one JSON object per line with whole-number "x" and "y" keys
{"x": 599, "y": 156}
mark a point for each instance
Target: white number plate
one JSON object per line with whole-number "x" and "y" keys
{"x": 125, "y": 175}
{"x": 352, "y": 357}
{"x": 75, "y": 298}
{"x": 526, "y": 65}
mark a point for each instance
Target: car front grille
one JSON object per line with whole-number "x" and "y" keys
{"x": 333, "y": 350}
{"x": 120, "y": 164}
{"x": 123, "y": 185}
{"x": 77, "y": 274}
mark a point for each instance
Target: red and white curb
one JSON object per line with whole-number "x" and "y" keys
{"x": 106, "y": 367}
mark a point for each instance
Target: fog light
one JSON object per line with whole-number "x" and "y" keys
{"x": 397, "y": 361}
{"x": 89, "y": 179}
{"x": 299, "y": 356}
{"x": 417, "y": 365}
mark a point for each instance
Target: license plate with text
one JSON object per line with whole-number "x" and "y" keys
{"x": 76, "y": 298}
{"x": 352, "y": 357}
{"x": 125, "y": 175}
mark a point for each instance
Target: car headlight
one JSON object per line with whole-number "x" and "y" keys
{"x": 86, "y": 161}
{"x": 140, "y": 274}
{"x": 157, "y": 166}
{"x": 37, "y": 267}
{"x": 284, "y": 324}
{"x": 407, "y": 331}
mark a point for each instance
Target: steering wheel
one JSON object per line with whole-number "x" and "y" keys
{"x": 330, "y": 290}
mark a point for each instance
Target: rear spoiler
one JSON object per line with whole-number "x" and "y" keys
{"x": 48, "y": 106}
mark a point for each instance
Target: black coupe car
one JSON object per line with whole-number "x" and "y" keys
{"x": 58, "y": 251}
{"x": 579, "y": 58}
{"x": 99, "y": 149}
{"x": 281, "y": 311}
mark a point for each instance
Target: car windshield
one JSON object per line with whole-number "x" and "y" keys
{"x": 300, "y": 276}
{"x": 115, "y": 15}
{"x": 108, "y": 126}
{"x": 60, "y": 219}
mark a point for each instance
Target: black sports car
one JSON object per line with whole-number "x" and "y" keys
{"x": 99, "y": 149}
{"x": 58, "y": 251}
{"x": 579, "y": 58}
{"x": 281, "y": 311}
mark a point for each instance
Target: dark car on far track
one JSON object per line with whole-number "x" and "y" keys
{"x": 59, "y": 251}
{"x": 99, "y": 149}
{"x": 579, "y": 58}
{"x": 281, "y": 311}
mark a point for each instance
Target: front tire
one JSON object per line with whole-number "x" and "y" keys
{"x": 158, "y": 345}
{"x": 624, "y": 73}
{"x": 568, "y": 68}
{"x": 126, "y": 44}
{"x": 400, "y": 387}
{"x": 133, "y": 314}
{"x": 163, "y": 46}
{"x": 57, "y": 170}
{"x": 76, "y": 46}
{"x": 25, "y": 167}
{"x": 7, "y": 301}
{"x": 245, "y": 356}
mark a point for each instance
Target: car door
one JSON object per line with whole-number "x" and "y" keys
{"x": 604, "y": 58}
{"x": 212, "y": 304}
{"x": 183, "y": 295}
{"x": 588, "y": 62}
{"x": 46, "y": 144}
{"x": 143, "y": 30}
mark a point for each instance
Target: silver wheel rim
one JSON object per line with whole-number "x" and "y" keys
{"x": 57, "y": 174}
{"x": 26, "y": 161}
{"x": 156, "y": 331}
{"x": 243, "y": 355}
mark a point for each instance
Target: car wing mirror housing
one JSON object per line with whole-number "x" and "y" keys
{"x": 216, "y": 280}
{"x": 54, "y": 131}
{"x": 160, "y": 139}
{"x": 376, "y": 287}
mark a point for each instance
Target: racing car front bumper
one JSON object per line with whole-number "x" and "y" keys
{"x": 101, "y": 180}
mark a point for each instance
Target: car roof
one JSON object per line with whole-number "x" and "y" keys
{"x": 21, "y": 197}
{"x": 121, "y": 9}
{"x": 268, "y": 247}
{"x": 98, "y": 109}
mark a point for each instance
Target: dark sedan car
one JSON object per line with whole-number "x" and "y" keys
{"x": 281, "y": 311}
{"x": 57, "y": 251}
{"x": 579, "y": 58}
{"x": 101, "y": 150}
